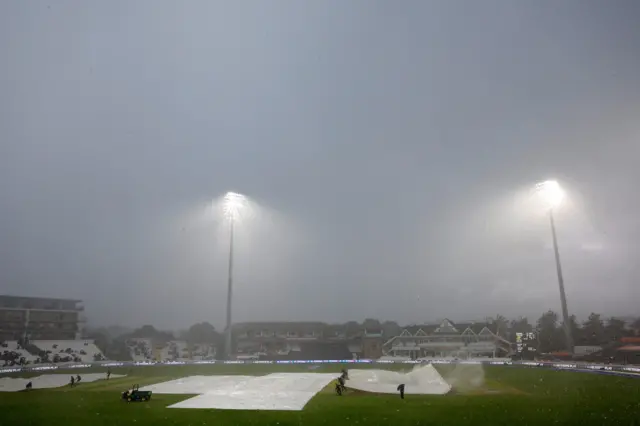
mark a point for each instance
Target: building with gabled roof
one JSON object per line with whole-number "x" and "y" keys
{"x": 446, "y": 338}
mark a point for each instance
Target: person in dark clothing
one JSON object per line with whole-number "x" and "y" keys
{"x": 78, "y": 378}
{"x": 341, "y": 382}
{"x": 345, "y": 374}
{"x": 340, "y": 387}
{"x": 401, "y": 390}
{"x": 73, "y": 381}
{"x": 29, "y": 385}
{"x": 108, "y": 373}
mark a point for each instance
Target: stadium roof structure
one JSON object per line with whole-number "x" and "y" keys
{"x": 447, "y": 326}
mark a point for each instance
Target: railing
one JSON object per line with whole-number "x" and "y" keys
{"x": 429, "y": 345}
{"x": 405, "y": 348}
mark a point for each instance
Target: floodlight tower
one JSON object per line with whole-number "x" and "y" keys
{"x": 233, "y": 204}
{"x": 552, "y": 195}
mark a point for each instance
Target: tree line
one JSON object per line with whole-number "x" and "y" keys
{"x": 595, "y": 331}
{"x": 112, "y": 340}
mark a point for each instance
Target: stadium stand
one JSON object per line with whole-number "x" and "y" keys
{"x": 57, "y": 351}
{"x": 310, "y": 350}
{"x": 175, "y": 350}
{"x": 146, "y": 349}
{"x": 40, "y": 318}
{"x": 203, "y": 352}
{"x": 140, "y": 349}
{"x": 12, "y": 353}
{"x": 300, "y": 340}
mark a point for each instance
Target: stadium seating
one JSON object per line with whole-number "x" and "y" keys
{"x": 175, "y": 350}
{"x": 311, "y": 350}
{"x": 11, "y": 353}
{"x": 395, "y": 358}
{"x": 58, "y": 351}
{"x": 481, "y": 347}
{"x": 140, "y": 349}
{"x": 202, "y": 351}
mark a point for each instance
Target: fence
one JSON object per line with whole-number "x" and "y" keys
{"x": 619, "y": 370}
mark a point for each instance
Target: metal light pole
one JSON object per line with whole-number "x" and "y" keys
{"x": 233, "y": 203}
{"x": 552, "y": 195}
{"x": 229, "y": 292}
{"x": 563, "y": 296}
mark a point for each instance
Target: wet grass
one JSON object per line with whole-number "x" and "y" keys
{"x": 509, "y": 395}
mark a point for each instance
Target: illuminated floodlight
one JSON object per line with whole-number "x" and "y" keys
{"x": 233, "y": 204}
{"x": 550, "y": 193}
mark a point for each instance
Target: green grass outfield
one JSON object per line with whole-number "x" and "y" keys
{"x": 511, "y": 396}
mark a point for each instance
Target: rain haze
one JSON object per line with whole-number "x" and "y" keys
{"x": 387, "y": 149}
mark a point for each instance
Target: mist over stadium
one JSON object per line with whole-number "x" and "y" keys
{"x": 287, "y": 212}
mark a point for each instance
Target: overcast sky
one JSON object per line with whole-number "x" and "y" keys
{"x": 387, "y": 148}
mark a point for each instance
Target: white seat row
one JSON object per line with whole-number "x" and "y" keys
{"x": 70, "y": 350}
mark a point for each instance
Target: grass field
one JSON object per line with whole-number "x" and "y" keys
{"x": 510, "y": 396}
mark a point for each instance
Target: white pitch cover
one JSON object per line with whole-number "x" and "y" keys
{"x": 47, "y": 381}
{"x": 423, "y": 380}
{"x": 197, "y": 385}
{"x": 278, "y": 391}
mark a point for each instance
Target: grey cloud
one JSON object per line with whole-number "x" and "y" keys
{"x": 385, "y": 144}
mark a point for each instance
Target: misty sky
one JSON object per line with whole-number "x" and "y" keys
{"x": 387, "y": 147}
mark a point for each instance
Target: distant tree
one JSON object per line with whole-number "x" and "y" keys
{"x": 352, "y": 328}
{"x": 118, "y": 350}
{"x": 371, "y": 324}
{"x": 549, "y": 334}
{"x": 390, "y": 329}
{"x": 615, "y": 329}
{"x": 502, "y": 325}
{"x": 101, "y": 339}
{"x": 150, "y": 332}
{"x": 576, "y": 331}
{"x": 146, "y": 331}
{"x": 593, "y": 329}
{"x": 636, "y": 326}
{"x": 203, "y": 332}
{"x": 116, "y": 331}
